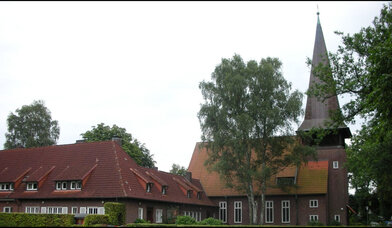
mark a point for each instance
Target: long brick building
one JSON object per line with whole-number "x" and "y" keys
{"x": 79, "y": 178}
{"x": 321, "y": 192}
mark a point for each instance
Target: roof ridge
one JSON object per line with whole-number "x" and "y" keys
{"x": 118, "y": 168}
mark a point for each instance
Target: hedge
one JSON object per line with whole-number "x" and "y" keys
{"x": 35, "y": 220}
{"x": 90, "y": 220}
{"x": 116, "y": 213}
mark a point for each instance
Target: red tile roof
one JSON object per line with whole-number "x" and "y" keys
{"x": 311, "y": 178}
{"x": 104, "y": 167}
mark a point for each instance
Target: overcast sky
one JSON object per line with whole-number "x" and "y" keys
{"x": 138, "y": 64}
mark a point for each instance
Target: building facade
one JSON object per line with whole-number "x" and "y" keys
{"x": 321, "y": 192}
{"x": 79, "y": 178}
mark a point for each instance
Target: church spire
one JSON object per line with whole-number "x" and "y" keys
{"x": 318, "y": 111}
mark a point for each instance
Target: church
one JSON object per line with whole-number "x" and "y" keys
{"x": 322, "y": 185}
{"x": 79, "y": 178}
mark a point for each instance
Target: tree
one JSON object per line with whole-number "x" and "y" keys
{"x": 133, "y": 147}
{"x": 31, "y": 126}
{"x": 177, "y": 169}
{"x": 362, "y": 68}
{"x": 246, "y": 121}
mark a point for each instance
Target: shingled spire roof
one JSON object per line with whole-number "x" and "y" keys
{"x": 317, "y": 111}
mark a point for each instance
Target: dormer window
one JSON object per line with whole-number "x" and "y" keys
{"x": 148, "y": 187}
{"x": 32, "y": 186}
{"x": 76, "y": 185}
{"x": 58, "y": 185}
{"x": 285, "y": 181}
{"x": 199, "y": 195}
{"x": 6, "y": 186}
{"x": 64, "y": 185}
{"x": 189, "y": 194}
{"x": 164, "y": 189}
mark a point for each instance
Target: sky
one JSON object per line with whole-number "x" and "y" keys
{"x": 138, "y": 65}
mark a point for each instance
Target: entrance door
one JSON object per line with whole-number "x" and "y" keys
{"x": 150, "y": 214}
{"x": 158, "y": 215}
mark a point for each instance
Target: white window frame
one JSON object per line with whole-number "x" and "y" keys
{"x": 140, "y": 213}
{"x": 32, "y": 209}
{"x": 313, "y": 203}
{"x": 198, "y": 216}
{"x": 57, "y": 210}
{"x": 58, "y": 185}
{"x": 73, "y": 185}
{"x": 189, "y": 193}
{"x": 6, "y": 187}
{"x": 286, "y": 206}
{"x": 148, "y": 187}
{"x": 238, "y": 208}
{"x": 62, "y": 185}
{"x": 336, "y": 218}
{"x": 223, "y": 211}
{"x": 164, "y": 190}
{"x": 335, "y": 164}
{"x": 74, "y": 210}
{"x": 32, "y": 186}
{"x": 7, "y": 209}
{"x": 78, "y": 185}
{"x": 94, "y": 210}
{"x": 158, "y": 215}
{"x": 269, "y": 208}
{"x": 313, "y": 218}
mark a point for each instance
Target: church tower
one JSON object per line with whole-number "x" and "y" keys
{"x": 332, "y": 147}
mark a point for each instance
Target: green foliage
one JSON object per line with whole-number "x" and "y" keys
{"x": 177, "y": 169}
{"x": 334, "y": 223}
{"x": 210, "y": 221}
{"x": 91, "y": 220}
{"x": 185, "y": 220}
{"x": 138, "y": 220}
{"x": 362, "y": 69}
{"x": 35, "y": 220}
{"x": 315, "y": 223}
{"x": 116, "y": 213}
{"x": 31, "y": 126}
{"x": 249, "y": 109}
{"x": 136, "y": 150}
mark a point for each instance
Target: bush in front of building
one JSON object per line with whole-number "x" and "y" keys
{"x": 116, "y": 213}
{"x": 185, "y": 220}
{"x": 35, "y": 220}
{"x": 138, "y": 220}
{"x": 210, "y": 221}
{"x": 315, "y": 223}
{"x": 90, "y": 220}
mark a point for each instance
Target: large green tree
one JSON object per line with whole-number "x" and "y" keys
{"x": 362, "y": 69}
{"x": 31, "y": 126}
{"x": 246, "y": 120}
{"x": 133, "y": 147}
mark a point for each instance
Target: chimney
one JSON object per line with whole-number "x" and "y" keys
{"x": 117, "y": 139}
{"x": 80, "y": 141}
{"x": 188, "y": 176}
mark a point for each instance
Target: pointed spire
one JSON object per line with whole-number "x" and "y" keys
{"x": 317, "y": 111}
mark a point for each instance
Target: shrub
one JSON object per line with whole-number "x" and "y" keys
{"x": 138, "y": 220}
{"x": 90, "y": 220}
{"x": 334, "y": 223}
{"x": 116, "y": 213}
{"x": 210, "y": 221}
{"x": 185, "y": 220}
{"x": 315, "y": 223}
{"x": 35, "y": 220}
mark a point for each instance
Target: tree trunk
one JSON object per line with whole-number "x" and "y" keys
{"x": 262, "y": 206}
{"x": 252, "y": 206}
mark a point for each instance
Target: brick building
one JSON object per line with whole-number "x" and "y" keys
{"x": 322, "y": 186}
{"x": 79, "y": 178}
